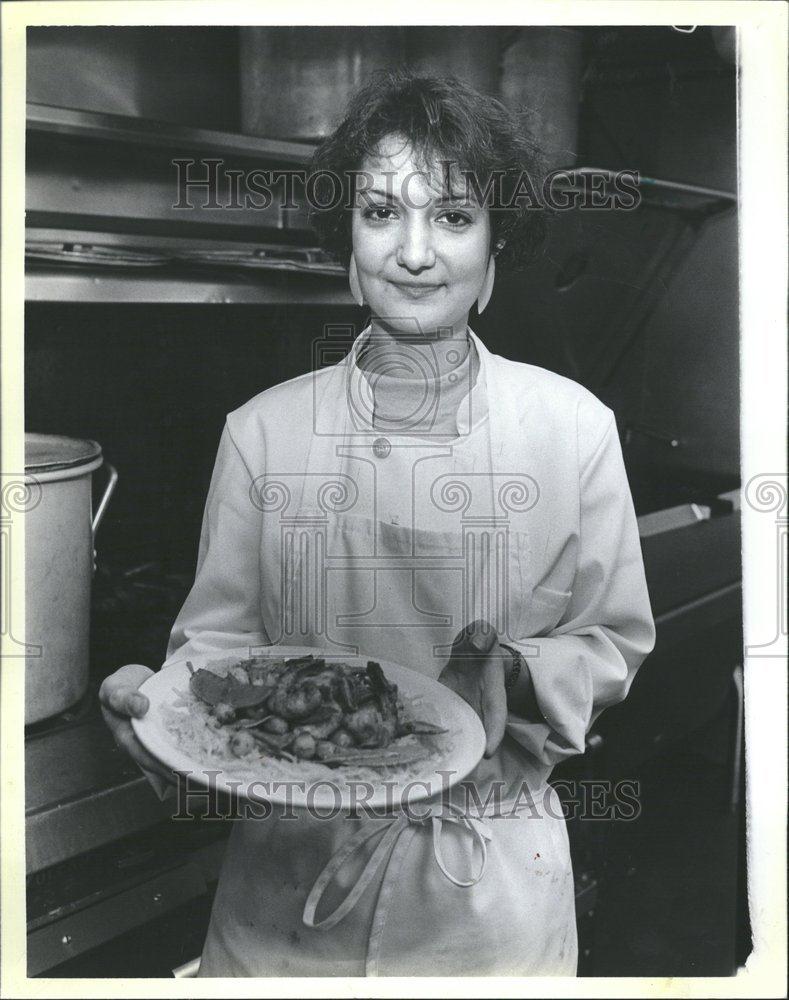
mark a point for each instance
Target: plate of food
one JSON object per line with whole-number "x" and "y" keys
{"x": 298, "y": 725}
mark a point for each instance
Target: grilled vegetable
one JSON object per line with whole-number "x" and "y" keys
{"x": 417, "y": 726}
{"x": 323, "y": 722}
{"x": 369, "y": 727}
{"x": 213, "y": 689}
{"x": 272, "y": 745}
{"x": 242, "y": 743}
{"x": 274, "y": 724}
{"x": 303, "y": 746}
{"x": 385, "y": 757}
{"x": 306, "y": 708}
{"x": 324, "y": 750}
{"x": 296, "y": 703}
{"x": 224, "y": 713}
{"x": 208, "y": 686}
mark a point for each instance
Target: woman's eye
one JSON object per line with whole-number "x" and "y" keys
{"x": 381, "y": 214}
{"x": 455, "y": 220}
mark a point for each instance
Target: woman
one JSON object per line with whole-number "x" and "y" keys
{"x": 450, "y": 488}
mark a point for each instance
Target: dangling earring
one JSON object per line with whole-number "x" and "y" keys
{"x": 487, "y": 286}
{"x": 353, "y": 281}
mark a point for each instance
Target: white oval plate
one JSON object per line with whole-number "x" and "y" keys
{"x": 466, "y": 740}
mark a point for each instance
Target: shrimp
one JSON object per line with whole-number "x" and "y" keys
{"x": 369, "y": 727}
{"x": 322, "y": 723}
{"x": 295, "y": 703}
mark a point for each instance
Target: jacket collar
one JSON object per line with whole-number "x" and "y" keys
{"x": 342, "y": 405}
{"x": 494, "y": 378}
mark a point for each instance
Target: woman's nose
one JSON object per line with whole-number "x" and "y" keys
{"x": 416, "y": 250}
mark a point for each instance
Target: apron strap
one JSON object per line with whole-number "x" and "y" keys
{"x": 393, "y": 830}
{"x": 480, "y": 833}
{"x": 390, "y": 852}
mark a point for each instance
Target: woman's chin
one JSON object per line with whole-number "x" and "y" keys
{"x": 409, "y": 318}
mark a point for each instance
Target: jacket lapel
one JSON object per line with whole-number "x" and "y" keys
{"x": 340, "y": 405}
{"x": 506, "y": 409}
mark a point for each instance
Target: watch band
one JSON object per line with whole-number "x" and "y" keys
{"x": 518, "y": 664}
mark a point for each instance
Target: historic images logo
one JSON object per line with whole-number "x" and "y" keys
{"x": 19, "y": 495}
{"x": 208, "y": 183}
{"x": 210, "y": 795}
{"x": 767, "y": 494}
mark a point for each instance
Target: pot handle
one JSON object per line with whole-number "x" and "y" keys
{"x": 112, "y": 482}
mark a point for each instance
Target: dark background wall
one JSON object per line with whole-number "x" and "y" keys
{"x": 153, "y": 384}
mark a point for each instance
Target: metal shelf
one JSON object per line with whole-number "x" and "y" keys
{"x": 148, "y": 231}
{"x": 659, "y": 192}
{"x": 147, "y": 132}
{"x": 58, "y": 285}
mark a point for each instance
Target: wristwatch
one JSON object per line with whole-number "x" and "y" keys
{"x": 518, "y": 664}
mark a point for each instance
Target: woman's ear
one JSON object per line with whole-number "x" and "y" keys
{"x": 353, "y": 281}
{"x": 487, "y": 285}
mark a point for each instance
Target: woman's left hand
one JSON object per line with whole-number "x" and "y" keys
{"x": 476, "y": 671}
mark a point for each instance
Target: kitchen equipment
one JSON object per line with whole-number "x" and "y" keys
{"x": 472, "y": 53}
{"x": 60, "y": 531}
{"x": 183, "y": 75}
{"x": 295, "y": 81}
{"x": 541, "y": 70}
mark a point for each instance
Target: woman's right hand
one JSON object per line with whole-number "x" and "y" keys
{"x": 121, "y": 701}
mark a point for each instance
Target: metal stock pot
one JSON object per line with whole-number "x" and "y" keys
{"x": 59, "y": 562}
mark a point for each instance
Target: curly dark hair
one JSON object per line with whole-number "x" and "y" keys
{"x": 444, "y": 120}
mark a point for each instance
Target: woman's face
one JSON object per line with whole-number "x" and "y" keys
{"x": 421, "y": 253}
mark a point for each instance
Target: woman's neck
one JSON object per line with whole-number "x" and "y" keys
{"x": 390, "y": 350}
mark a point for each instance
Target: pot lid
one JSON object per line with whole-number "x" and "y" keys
{"x": 51, "y": 452}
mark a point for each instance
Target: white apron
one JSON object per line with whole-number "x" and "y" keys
{"x": 450, "y": 896}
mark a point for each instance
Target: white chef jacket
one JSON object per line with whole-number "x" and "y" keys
{"x": 296, "y": 475}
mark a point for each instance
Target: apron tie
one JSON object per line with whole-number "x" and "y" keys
{"x": 390, "y": 853}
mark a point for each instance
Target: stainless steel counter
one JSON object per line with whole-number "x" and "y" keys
{"x": 82, "y": 792}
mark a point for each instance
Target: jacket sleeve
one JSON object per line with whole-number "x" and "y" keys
{"x": 589, "y": 660}
{"x": 222, "y": 610}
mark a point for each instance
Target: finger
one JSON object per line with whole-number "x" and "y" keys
{"x": 459, "y": 644}
{"x": 482, "y": 636}
{"x": 126, "y": 679}
{"x": 130, "y": 673}
{"x": 124, "y": 700}
{"x": 463, "y": 649}
{"x": 494, "y": 706}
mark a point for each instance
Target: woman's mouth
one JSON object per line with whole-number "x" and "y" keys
{"x": 416, "y": 289}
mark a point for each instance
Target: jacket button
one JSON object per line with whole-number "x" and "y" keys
{"x": 381, "y": 447}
